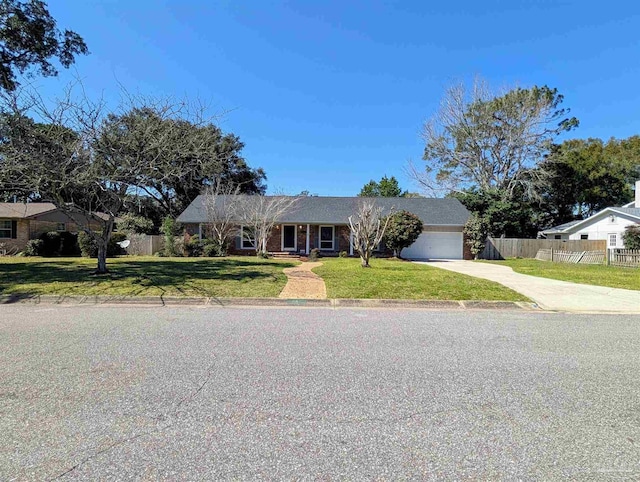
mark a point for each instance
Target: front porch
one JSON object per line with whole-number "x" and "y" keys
{"x": 300, "y": 239}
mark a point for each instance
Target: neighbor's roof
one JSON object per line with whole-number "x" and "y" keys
{"x": 336, "y": 210}
{"x": 561, "y": 227}
{"x": 22, "y": 210}
{"x": 634, "y": 212}
{"x": 566, "y": 227}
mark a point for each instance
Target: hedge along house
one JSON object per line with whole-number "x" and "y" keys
{"x": 20, "y": 222}
{"x": 323, "y": 223}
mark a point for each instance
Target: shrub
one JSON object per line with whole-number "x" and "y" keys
{"x": 170, "y": 229}
{"x": 344, "y": 254}
{"x": 212, "y": 250}
{"x": 402, "y": 231}
{"x": 631, "y": 237}
{"x": 89, "y": 248}
{"x": 34, "y": 247}
{"x": 315, "y": 254}
{"x": 194, "y": 247}
{"x": 50, "y": 244}
{"x": 130, "y": 223}
{"x": 69, "y": 244}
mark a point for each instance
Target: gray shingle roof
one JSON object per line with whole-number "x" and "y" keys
{"x": 632, "y": 211}
{"x": 562, "y": 227}
{"x": 336, "y": 210}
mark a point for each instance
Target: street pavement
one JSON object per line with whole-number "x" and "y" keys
{"x": 203, "y": 393}
{"x": 549, "y": 294}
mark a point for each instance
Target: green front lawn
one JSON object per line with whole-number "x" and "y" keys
{"x": 144, "y": 276}
{"x": 590, "y": 274}
{"x": 393, "y": 279}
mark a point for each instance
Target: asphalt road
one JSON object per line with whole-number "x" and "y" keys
{"x": 98, "y": 393}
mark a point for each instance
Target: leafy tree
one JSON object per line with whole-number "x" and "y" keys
{"x": 30, "y": 39}
{"x": 476, "y": 230}
{"x": 184, "y": 155}
{"x": 631, "y": 237}
{"x": 402, "y": 231}
{"x": 387, "y": 187}
{"x": 583, "y": 177}
{"x": 490, "y": 141}
{"x": 130, "y": 223}
{"x": 511, "y": 218}
{"x": 84, "y": 160}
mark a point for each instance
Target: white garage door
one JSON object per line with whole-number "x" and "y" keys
{"x": 435, "y": 246}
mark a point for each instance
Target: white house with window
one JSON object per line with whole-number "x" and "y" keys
{"x": 608, "y": 224}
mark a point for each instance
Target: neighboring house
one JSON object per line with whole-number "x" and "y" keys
{"x": 21, "y": 222}
{"x": 323, "y": 223}
{"x": 608, "y": 224}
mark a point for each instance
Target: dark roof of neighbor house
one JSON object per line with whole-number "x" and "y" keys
{"x": 336, "y": 210}
{"x": 24, "y": 210}
{"x": 561, "y": 227}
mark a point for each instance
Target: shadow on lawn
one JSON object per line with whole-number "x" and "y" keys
{"x": 162, "y": 273}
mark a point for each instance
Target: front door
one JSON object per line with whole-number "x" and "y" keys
{"x": 289, "y": 241}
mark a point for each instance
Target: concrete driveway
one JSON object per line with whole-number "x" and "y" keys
{"x": 549, "y": 294}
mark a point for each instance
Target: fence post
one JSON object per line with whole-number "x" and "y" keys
{"x": 551, "y": 254}
{"x": 607, "y": 256}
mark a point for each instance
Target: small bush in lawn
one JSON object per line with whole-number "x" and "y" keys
{"x": 194, "y": 248}
{"x": 34, "y": 247}
{"x": 88, "y": 247}
{"x": 212, "y": 250}
{"x": 344, "y": 254}
{"x": 50, "y": 244}
{"x": 172, "y": 246}
{"x": 315, "y": 254}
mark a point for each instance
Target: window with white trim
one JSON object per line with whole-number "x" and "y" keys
{"x": 584, "y": 236}
{"x": 326, "y": 237}
{"x": 61, "y": 227}
{"x": 613, "y": 240}
{"x": 247, "y": 240}
{"x": 5, "y": 229}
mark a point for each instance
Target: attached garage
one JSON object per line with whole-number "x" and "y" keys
{"x": 436, "y": 245}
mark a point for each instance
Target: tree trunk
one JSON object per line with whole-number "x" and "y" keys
{"x": 364, "y": 261}
{"x": 102, "y": 259}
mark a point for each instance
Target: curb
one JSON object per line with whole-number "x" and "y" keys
{"x": 266, "y": 302}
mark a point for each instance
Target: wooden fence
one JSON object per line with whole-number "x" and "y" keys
{"x": 145, "y": 244}
{"x": 502, "y": 248}
{"x": 629, "y": 258}
{"x": 577, "y": 257}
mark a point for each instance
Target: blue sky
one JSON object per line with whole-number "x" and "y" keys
{"x": 328, "y": 95}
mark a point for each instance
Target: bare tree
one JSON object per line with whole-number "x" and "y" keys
{"x": 221, "y": 205}
{"x": 489, "y": 140}
{"x": 367, "y": 227}
{"x": 259, "y": 214}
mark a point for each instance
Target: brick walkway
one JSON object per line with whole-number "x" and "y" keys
{"x": 304, "y": 284}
